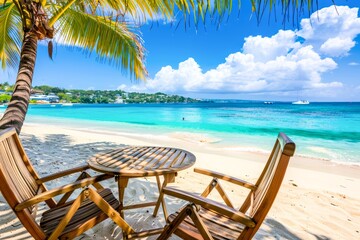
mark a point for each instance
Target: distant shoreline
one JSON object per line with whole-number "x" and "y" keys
{"x": 200, "y": 102}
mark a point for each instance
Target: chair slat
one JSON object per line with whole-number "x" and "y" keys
{"x": 30, "y": 180}
{"x": 19, "y": 172}
{"x": 22, "y": 191}
{"x": 6, "y": 169}
{"x": 265, "y": 182}
{"x": 57, "y": 211}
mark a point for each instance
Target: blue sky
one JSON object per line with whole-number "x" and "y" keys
{"x": 317, "y": 59}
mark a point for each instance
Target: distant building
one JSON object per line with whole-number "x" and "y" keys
{"x": 119, "y": 99}
{"x": 51, "y": 98}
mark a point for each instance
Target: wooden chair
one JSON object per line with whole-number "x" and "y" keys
{"x": 204, "y": 218}
{"x": 23, "y": 189}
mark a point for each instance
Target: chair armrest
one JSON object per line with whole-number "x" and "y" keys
{"x": 224, "y": 177}
{"x": 62, "y": 174}
{"x": 61, "y": 190}
{"x": 211, "y": 204}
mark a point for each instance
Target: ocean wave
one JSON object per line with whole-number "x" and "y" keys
{"x": 309, "y": 133}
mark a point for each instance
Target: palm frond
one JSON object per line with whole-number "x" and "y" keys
{"x": 216, "y": 9}
{"x": 141, "y": 8}
{"x": 3, "y": 2}
{"x": 290, "y": 9}
{"x": 136, "y": 9}
{"x": 10, "y": 35}
{"x": 114, "y": 42}
{"x": 219, "y": 9}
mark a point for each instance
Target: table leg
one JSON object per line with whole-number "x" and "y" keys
{"x": 168, "y": 178}
{"x": 122, "y": 184}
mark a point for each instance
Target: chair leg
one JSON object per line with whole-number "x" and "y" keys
{"x": 170, "y": 228}
{"x": 167, "y": 178}
{"x": 189, "y": 210}
{"x": 200, "y": 224}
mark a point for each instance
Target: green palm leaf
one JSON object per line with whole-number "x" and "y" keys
{"x": 10, "y": 35}
{"x": 136, "y": 9}
{"x": 114, "y": 42}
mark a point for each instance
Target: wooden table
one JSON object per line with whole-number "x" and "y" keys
{"x": 140, "y": 161}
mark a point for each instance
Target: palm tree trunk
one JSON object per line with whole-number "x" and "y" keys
{"x": 15, "y": 113}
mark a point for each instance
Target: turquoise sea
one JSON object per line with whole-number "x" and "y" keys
{"x": 322, "y": 130}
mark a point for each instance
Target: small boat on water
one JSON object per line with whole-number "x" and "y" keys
{"x": 268, "y": 102}
{"x": 301, "y": 102}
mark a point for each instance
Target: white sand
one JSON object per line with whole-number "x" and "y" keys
{"x": 318, "y": 199}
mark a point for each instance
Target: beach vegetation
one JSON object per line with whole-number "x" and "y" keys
{"x": 107, "y": 28}
{"x": 5, "y": 98}
{"x": 110, "y": 96}
{"x": 6, "y": 87}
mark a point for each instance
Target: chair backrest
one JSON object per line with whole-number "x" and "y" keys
{"x": 259, "y": 202}
{"x": 18, "y": 179}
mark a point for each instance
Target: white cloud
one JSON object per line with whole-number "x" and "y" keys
{"x": 337, "y": 46}
{"x": 279, "y": 63}
{"x": 354, "y": 64}
{"x": 331, "y": 30}
{"x": 265, "y": 48}
{"x": 243, "y": 73}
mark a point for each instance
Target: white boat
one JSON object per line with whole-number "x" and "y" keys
{"x": 301, "y": 102}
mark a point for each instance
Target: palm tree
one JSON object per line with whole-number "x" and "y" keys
{"x": 102, "y": 26}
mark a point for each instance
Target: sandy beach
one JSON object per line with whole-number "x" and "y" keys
{"x": 318, "y": 199}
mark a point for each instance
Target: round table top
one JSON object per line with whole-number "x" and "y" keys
{"x": 139, "y": 161}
